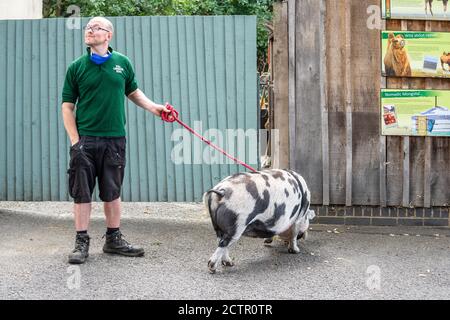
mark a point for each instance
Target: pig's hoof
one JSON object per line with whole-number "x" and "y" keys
{"x": 211, "y": 267}
{"x": 268, "y": 241}
{"x": 228, "y": 263}
{"x": 294, "y": 251}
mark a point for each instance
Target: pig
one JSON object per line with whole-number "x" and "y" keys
{"x": 260, "y": 204}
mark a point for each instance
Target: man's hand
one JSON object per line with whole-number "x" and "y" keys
{"x": 74, "y": 142}
{"x": 158, "y": 108}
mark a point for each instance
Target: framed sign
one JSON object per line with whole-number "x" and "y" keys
{"x": 415, "y": 9}
{"x": 415, "y": 54}
{"x": 415, "y": 112}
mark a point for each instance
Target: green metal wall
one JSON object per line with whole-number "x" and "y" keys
{"x": 204, "y": 66}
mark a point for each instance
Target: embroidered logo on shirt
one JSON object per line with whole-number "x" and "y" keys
{"x": 118, "y": 69}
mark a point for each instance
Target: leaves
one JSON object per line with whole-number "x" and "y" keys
{"x": 88, "y": 8}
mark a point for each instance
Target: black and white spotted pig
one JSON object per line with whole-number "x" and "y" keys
{"x": 260, "y": 204}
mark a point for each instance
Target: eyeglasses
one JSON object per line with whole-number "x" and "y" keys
{"x": 94, "y": 29}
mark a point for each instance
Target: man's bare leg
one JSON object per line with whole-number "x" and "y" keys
{"x": 82, "y": 213}
{"x": 113, "y": 211}
{"x": 114, "y": 241}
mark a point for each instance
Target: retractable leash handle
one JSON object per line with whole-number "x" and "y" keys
{"x": 172, "y": 116}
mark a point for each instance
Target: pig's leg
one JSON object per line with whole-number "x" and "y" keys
{"x": 293, "y": 246}
{"x": 221, "y": 254}
{"x": 303, "y": 235}
{"x": 290, "y": 238}
{"x": 226, "y": 260}
{"x": 216, "y": 259}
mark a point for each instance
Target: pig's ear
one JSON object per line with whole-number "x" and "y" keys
{"x": 311, "y": 214}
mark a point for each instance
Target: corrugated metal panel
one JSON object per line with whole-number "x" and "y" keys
{"x": 205, "y": 66}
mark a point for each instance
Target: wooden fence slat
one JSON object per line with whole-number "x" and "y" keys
{"x": 336, "y": 101}
{"x": 427, "y": 162}
{"x": 383, "y": 160}
{"x": 383, "y": 199}
{"x": 365, "y": 86}
{"x": 394, "y": 154}
{"x": 427, "y": 174}
{"x": 348, "y": 105}
{"x": 405, "y": 199}
{"x": 324, "y": 107}
{"x": 280, "y": 150}
{"x": 308, "y": 158}
{"x": 416, "y": 144}
{"x": 292, "y": 104}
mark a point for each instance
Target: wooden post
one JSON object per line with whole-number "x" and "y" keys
{"x": 383, "y": 199}
{"x": 405, "y": 201}
{"x": 280, "y": 148}
{"x": 324, "y": 105}
{"x": 292, "y": 108}
{"x": 427, "y": 162}
{"x": 348, "y": 105}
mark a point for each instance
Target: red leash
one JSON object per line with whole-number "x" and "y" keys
{"x": 172, "y": 116}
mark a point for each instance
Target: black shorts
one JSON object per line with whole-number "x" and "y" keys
{"x": 96, "y": 157}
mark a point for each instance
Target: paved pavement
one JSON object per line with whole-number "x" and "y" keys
{"x": 336, "y": 262}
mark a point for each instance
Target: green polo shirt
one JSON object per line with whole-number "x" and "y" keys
{"x": 98, "y": 92}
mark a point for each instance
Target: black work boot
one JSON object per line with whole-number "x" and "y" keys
{"x": 81, "y": 251}
{"x": 116, "y": 244}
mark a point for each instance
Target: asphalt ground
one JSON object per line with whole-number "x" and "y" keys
{"x": 336, "y": 262}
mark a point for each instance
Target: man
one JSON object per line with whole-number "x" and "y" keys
{"x": 97, "y": 82}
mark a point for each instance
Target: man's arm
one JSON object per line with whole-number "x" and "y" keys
{"x": 140, "y": 99}
{"x": 69, "y": 122}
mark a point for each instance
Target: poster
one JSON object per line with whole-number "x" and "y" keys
{"x": 416, "y": 9}
{"x": 415, "y": 54}
{"x": 415, "y": 112}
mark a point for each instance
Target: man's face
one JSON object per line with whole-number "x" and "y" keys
{"x": 96, "y": 33}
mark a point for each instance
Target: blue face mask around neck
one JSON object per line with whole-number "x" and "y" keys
{"x": 97, "y": 59}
